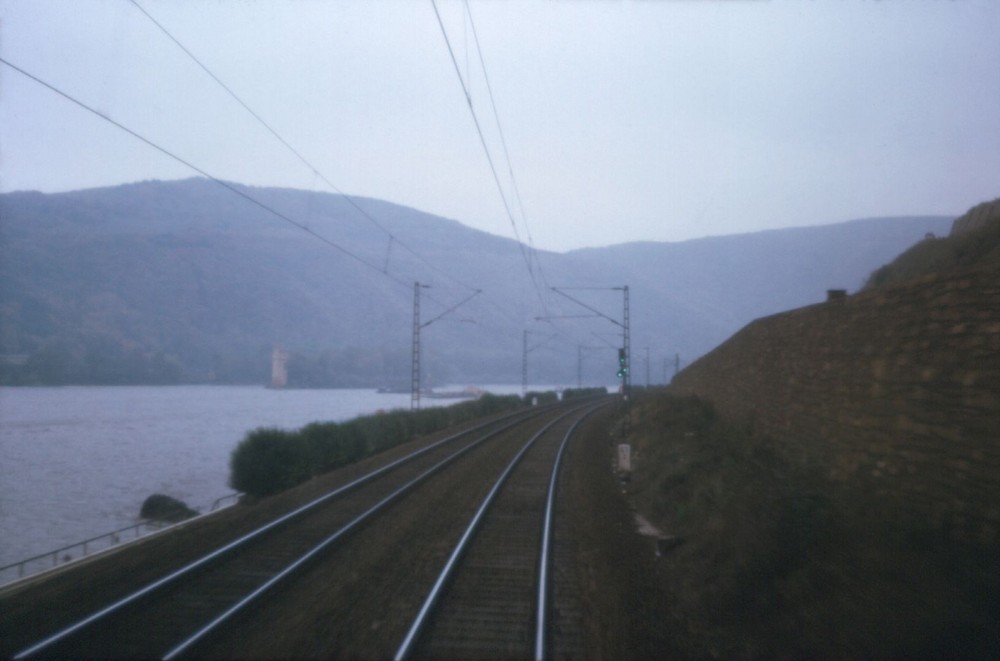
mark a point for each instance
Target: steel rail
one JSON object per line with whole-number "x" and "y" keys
{"x": 423, "y": 615}
{"x": 545, "y": 557}
{"x": 239, "y": 542}
{"x": 344, "y": 530}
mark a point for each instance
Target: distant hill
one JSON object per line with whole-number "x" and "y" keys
{"x": 974, "y": 241}
{"x": 183, "y": 281}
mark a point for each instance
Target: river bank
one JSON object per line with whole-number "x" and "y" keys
{"x": 79, "y": 461}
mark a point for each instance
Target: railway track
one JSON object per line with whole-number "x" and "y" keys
{"x": 492, "y": 598}
{"x": 384, "y": 532}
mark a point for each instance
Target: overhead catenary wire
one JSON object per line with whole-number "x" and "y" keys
{"x": 225, "y": 184}
{"x": 238, "y": 190}
{"x": 506, "y": 152}
{"x": 315, "y": 171}
{"x": 510, "y": 166}
{"x": 221, "y": 182}
{"x": 503, "y": 143}
{"x": 489, "y": 157}
{"x": 349, "y": 199}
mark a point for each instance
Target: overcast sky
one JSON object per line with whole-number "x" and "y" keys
{"x": 624, "y": 121}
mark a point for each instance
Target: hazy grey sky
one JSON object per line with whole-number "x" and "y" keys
{"x": 624, "y": 121}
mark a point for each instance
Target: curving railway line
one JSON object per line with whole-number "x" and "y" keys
{"x": 445, "y": 551}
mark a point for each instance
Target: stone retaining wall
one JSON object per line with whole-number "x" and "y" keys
{"x": 896, "y": 390}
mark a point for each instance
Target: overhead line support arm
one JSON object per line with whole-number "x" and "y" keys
{"x": 581, "y": 303}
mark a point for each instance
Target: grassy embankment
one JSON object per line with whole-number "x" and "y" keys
{"x": 775, "y": 560}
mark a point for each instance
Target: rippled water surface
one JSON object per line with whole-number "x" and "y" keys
{"x": 79, "y": 461}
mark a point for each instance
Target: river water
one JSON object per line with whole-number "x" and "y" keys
{"x": 76, "y": 462}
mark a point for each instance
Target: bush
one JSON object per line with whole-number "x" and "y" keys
{"x": 325, "y": 444}
{"x": 430, "y": 420}
{"x": 489, "y": 404}
{"x": 574, "y": 393}
{"x": 270, "y": 460}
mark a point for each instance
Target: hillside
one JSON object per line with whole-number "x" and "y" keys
{"x": 183, "y": 281}
{"x": 974, "y": 241}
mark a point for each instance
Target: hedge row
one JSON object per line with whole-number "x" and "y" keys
{"x": 574, "y": 393}
{"x": 269, "y": 460}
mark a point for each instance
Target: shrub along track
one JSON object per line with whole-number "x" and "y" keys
{"x": 356, "y": 601}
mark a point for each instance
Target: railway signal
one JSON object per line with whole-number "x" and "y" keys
{"x": 622, "y": 363}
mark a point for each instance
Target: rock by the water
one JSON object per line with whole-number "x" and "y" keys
{"x": 165, "y": 508}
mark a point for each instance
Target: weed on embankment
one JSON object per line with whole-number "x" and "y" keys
{"x": 770, "y": 558}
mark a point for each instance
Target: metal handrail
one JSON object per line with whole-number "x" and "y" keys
{"x": 98, "y": 543}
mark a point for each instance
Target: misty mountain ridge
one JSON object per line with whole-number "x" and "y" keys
{"x": 184, "y": 281}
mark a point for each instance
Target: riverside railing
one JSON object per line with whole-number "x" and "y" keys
{"x": 80, "y": 550}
